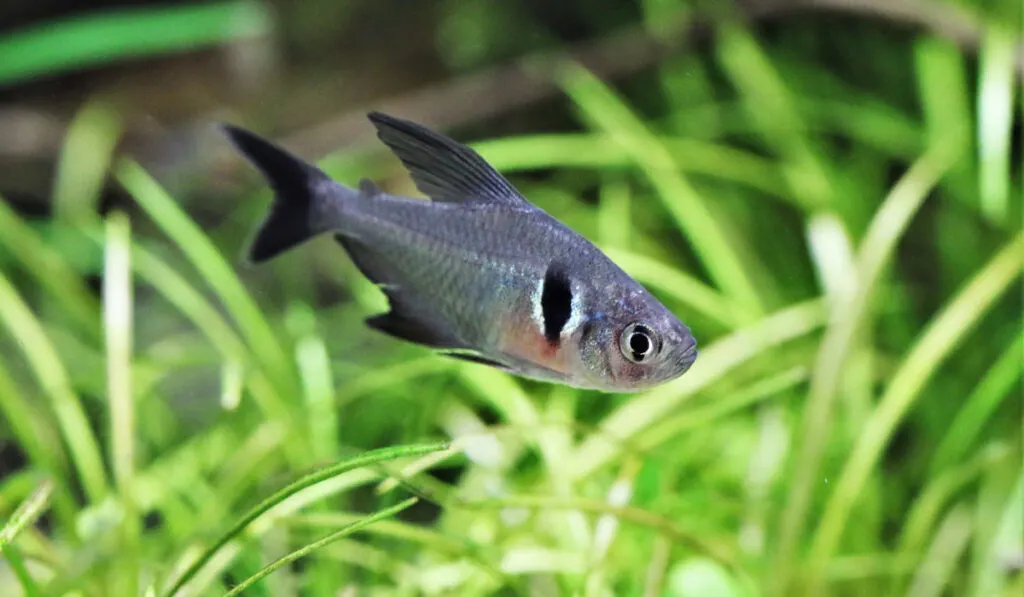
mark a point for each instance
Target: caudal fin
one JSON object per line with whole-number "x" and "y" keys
{"x": 298, "y": 186}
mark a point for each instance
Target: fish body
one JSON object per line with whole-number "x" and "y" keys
{"x": 477, "y": 272}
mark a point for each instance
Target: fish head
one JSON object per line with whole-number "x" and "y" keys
{"x": 633, "y": 342}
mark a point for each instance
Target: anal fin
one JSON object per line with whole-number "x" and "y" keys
{"x": 403, "y": 327}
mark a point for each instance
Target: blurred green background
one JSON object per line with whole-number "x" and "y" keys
{"x": 828, "y": 192}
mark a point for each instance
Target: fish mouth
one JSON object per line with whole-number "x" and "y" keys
{"x": 688, "y": 357}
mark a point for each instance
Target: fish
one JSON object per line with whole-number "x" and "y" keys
{"x": 474, "y": 271}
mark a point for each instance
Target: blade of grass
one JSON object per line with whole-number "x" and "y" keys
{"x": 979, "y": 406}
{"x": 866, "y": 121}
{"x": 191, "y": 303}
{"x": 117, "y": 319}
{"x": 860, "y": 567}
{"x": 321, "y": 424}
{"x": 614, "y": 223}
{"x": 170, "y": 472}
{"x": 422, "y": 464}
{"x": 771, "y": 107}
{"x": 315, "y": 374}
{"x": 717, "y": 549}
{"x": 926, "y": 509}
{"x": 600, "y": 151}
{"x": 24, "y": 516}
{"x": 90, "y": 40}
{"x": 241, "y": 550}
{"x": 300, "y": 553}
{"x": 29, "y": 587}
{"x": 506, "y": 395}
{"x": 760, "y": 391}
{"x": 51, "y": 270}
{"x": 365, "y": 459}
{"x": 216, "y": 272}
{"x": 714, "y": 363}
{"x": 40, "y": 443}
{"x": 46, "y": 365}
{"x": 995, "y": 121}
{"x": 833, "y": 256}
{"x": 84, "y": 161}
{"x": 934, "y": 345}
{"x": 240, "y": 472}
{"x": 944, "y": 98}
{"x": 460, "y": 547}
{"x": 605, "y": 110}
{"x": 999, "y": 523}
{"x": 657, "y": 569}
{"x": 606, "y": 527}
{"x": 950, "y": 542}
{"x": 846, "y": 320}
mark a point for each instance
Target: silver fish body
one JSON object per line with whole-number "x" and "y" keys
{"x": 478, "y": 272}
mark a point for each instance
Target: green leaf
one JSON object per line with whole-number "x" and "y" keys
{"x": 308, "y": 549}
{"x": 278, "y": 497}
{"x": 94, "y": 39}
{"x": 935, "y": 344}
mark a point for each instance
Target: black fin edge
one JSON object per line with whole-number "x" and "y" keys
{"x": 473, "y": 358}
{"x": 294, "y": 182}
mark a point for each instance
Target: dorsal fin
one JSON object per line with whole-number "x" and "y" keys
{"x": 442, "y": 168}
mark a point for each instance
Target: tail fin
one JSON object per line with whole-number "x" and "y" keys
{"x": 297, "y": 187}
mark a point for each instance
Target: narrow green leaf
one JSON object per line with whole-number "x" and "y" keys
{"x": 772, "y": 109}
{"x": 319, "y": 544}
{"x": 944, "y": 97}
{"x": 216, "y": 271}
{"x": 84, "y": 161}
{"x": 26, "y": 514}
{"x": 14, "y": 559}
{"x": 951, "y": 540}
{"x": 708, "y": 414}
{"x": 714, "y": 362}
{"x": 601, "y": 151}
{"x": 365, "y": 459}
{"x": 926, "y": 510}
{"x": 316, "y": 378}
{"x": 117, "y": 318}
{"x": 32, "y": 432}
{"x": 93, "y": 39}
{"x": 52, "y": 377}
{"x": 980, "y": 404}
{"x": 849, "y": 314}
{"x": 935, "y": 344}
{"x": 601, "y": 106}
{"x": 51, "y": 270}
{"x": 995, "y": 119}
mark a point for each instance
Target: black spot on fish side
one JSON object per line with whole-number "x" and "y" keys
{"x": 555, "y": 302}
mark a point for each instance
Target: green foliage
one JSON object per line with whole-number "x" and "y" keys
{"x": 848, "y": 255}
{"x": 117, "y": 35}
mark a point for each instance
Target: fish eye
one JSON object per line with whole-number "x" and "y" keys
{"x": 638, "y": 343}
